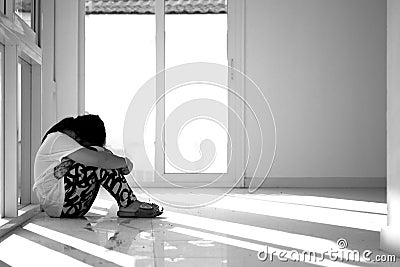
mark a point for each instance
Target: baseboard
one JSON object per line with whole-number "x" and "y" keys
{"x": 290, "y": 182}
{"x": 189, "y": 185}
{"x": 319, "y": 182}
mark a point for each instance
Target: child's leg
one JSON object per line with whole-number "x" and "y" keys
{"x": 115, "y": 183}
{"x": 81, "y": 188}
{"x": 82, "y": 184}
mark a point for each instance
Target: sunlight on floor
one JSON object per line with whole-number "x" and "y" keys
{"x": 230, "y": 232}
{"x": 263, "y": 235}
{"x": 324, "y": 202}
{"x": 250, "y": 246}
{"x": 93, "y": 249}
{"x": 331, "y": 216}
{"x": 3, "y": 221}
{"x": 251, "y": 232}
{"x": 33, "y": 254}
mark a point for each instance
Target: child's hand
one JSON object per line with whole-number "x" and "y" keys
{"x": 124, "y": 171}
{"x": 129, "y": 166}
{"x": 108, "y": 151}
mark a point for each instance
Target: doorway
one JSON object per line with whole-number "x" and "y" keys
{"x": 124, "y": 50}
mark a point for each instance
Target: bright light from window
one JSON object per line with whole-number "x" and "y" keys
{"x": 252, "y": 246}
{"x": 120, "y": 58}
{"x": 317, "y": 201}
{"x": 255, "y": 233}
{"x": 197, "y": 38}
{"x": 331, "y": 216}
{"x": 19, "y": 251}
{"x": 93, "y": 249}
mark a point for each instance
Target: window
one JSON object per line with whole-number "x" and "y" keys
{"x": 197, "y": 36}
{"x": 19, "y": 132}
{"x": 1, "y": 131}
{"x": 116, "y": 67}
{"x": 194, "y": 31}
{"x": 2, "y": 6}
{"x": 23, "y": 133}
{"x": 28, "y": 16}
{"x": 23, "y": 8}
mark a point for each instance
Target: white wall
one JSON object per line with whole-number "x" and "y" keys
{"x": 322, "y": 66}
{"x": 49, "y": 114}
{"x": 320, "y": 63}
{"x": 66, "y": 45}
{"x": 390, "y": 236}
{"x": 62, "y": 60}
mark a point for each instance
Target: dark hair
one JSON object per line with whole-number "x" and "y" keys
{"x": 64, "y": 124}
{"x": 90, "y": 128}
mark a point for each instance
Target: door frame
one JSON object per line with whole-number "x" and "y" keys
{"x": 20, "y": 41}
{"x": 236, "y": 38}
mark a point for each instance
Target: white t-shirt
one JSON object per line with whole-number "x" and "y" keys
{"x": 48, "y": 188}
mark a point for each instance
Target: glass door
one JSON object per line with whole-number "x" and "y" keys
{"x": 196, "y": 134}
{"x": 176, "y": 89}
{"x": 196, "y": 37}
{"x": 120, "y": 55}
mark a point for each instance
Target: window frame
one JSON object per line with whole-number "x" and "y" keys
{"x": 2, "y": 49}
{"x": 24, "y": 152}
{"x": 2, "y": 6}
{"x": 19, "y": 44}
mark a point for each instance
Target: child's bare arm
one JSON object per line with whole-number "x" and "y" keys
{"x": 100, "y": 159}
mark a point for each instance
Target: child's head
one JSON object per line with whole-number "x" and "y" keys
{"x": 65, "y": 125}
{"x": 90, "y": 130}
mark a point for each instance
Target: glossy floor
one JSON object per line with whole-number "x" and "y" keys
{"x": 284, "y": 223}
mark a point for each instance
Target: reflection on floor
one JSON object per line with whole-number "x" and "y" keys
{"x": 284, "y": 225}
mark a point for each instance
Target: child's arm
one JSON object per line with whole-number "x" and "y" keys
{"x": 125, "y": 170}
{"x": 100, "y": 159}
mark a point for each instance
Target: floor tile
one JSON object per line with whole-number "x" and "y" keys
{"x": 225, "y": 233}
